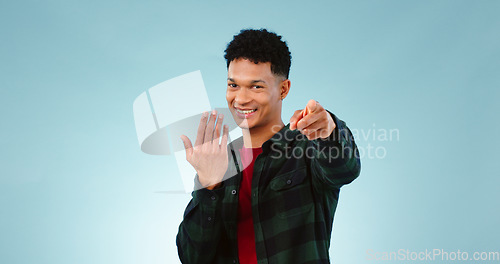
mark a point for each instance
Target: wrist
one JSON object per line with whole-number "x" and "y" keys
{"x": 210, "y": 185}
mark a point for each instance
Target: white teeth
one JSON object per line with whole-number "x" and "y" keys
{"x": 246, "y": 111}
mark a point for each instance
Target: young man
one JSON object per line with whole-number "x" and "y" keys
{"x": 280, "y": 204}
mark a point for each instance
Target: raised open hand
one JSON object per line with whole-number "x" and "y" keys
{"x": 208, "y": 156}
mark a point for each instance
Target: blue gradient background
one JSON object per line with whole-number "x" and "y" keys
{"x": 75, "y": 187}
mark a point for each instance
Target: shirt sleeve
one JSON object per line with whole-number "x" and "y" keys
{"x": 336, "y": 159}
{"x": 200, "y": 231}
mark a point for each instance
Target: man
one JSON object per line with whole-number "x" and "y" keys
{"x": 280, "y": 204}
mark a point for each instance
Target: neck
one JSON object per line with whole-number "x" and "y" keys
{"x": 255, "y": 137}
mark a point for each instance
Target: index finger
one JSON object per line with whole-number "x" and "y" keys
{"x": 313, "y": 106}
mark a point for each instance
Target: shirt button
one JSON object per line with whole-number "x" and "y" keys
{"x": 233, "y": 192}
{"x": 209, "y": 218}
{"x": 254, "y": 194}
{"x": 234, "y": 260}
{"x": 289, "y": 182}
{"x": 213, "y": 197}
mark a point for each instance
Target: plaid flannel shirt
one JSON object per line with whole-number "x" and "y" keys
{"x": 295, "y": 190}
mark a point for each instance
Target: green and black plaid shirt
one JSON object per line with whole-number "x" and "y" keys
{"x": 295, "y": 190}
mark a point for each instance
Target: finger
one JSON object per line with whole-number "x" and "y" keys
{"x": 225, "y": 135}
{"x": 315, "y": 130}
{"x": 209, "y": 130}
{"x": 187, "y": 146}
{"x": 297, "y": 115}
{"x": 217, "y": 131}
{"x": 321, "y": 133}
{"x": 308, "y": 120}
{"x": 201, "y": 129}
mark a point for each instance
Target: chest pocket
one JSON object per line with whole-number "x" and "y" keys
{"x": 293, "y": 193}
{"x": 288, "y": 180}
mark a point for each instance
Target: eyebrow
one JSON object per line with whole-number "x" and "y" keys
{"x": 253, "y": 81}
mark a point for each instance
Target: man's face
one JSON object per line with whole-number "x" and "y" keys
{"x": 253, "y": 94}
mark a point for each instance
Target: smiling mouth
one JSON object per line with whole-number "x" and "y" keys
{"x": 245, "y": 111}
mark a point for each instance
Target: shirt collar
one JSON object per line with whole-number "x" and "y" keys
{"x": 280, "y": 139}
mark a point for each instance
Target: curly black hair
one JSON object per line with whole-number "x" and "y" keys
{"x": 260, "y": 46}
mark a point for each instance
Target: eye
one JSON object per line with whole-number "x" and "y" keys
{"x": 258, "y": 86}
{"x": 232, "y": 85}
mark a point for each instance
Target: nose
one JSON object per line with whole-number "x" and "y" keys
{"x": 242, "y": 97}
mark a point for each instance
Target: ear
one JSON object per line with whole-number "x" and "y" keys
{"x": 284, "y": 88}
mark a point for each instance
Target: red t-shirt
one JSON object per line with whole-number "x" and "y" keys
{"x": 246, "y": 234}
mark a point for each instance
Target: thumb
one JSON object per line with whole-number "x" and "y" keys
{"x": 187, "y": 146}
{"x": 295, "y": 118}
